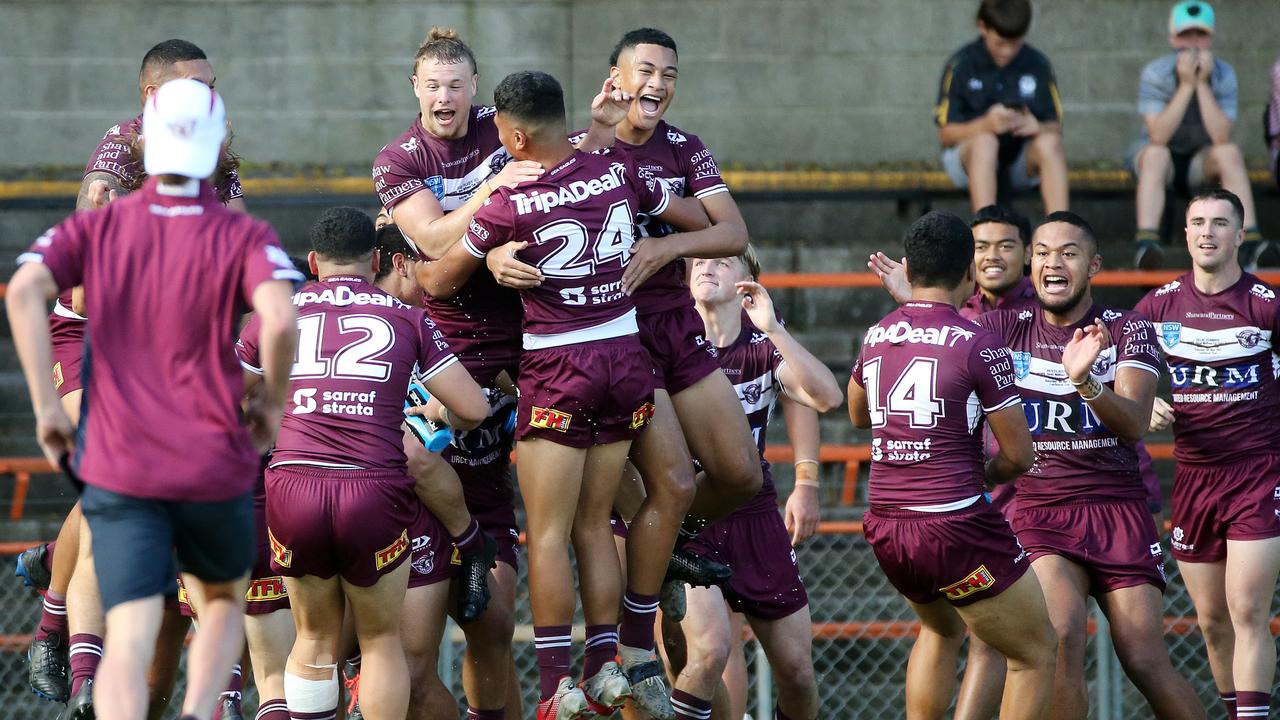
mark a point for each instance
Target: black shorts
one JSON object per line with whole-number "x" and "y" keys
{"x": 136, "y": 541}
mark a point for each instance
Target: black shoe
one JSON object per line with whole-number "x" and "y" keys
{"x": 49, "y": 672}
{"x": 1149, "y": 255}
{"x": 1259, "y": 253}
{"x": 695, "y": 570}
{"x": 473, "y": 581}
{"x": 30, "y": 568}
{"x": 231, "y": 709}
{"x": 81, "y": 706}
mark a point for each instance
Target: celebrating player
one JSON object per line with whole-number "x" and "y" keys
{"x": 1217, "y": 326}
{"x": 761, "y": 359}
{"x": 923, "y": 382}
{"x": 148, "y": 494}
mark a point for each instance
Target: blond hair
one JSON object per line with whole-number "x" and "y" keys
{"x": 444, "y": 46}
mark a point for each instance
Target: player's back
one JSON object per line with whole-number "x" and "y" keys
{"x": 357, "y": 349}
{"x": 929, "y": 377}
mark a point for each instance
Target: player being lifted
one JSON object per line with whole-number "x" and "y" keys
{"x": 585, "y": 383}
{"x": 924, "y": 381}
{"x": 340, "y": 505}
{"x": 1218, "y": 326}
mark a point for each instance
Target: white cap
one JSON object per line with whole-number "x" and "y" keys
{"x": 183, "y": 126}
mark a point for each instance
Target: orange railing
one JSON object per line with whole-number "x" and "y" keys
{"x": 1106, "y": 278}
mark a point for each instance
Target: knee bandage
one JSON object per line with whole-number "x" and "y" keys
{"x": 312, "y": 696}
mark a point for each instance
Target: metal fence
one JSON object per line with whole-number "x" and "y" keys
{"x": 860, "y": 652}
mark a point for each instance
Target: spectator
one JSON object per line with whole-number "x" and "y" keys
{"x": 1188, "y": 100}
{"x": 999, "y": 114}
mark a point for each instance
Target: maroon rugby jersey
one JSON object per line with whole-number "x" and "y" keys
{"x": 1222, "y": 364}
{"x": 1077, "y": 457}
{"x": 357, "y": 347}
{"x": 687, "y": 168}
{"x": 579, "y": 220}
{"x": 170, "y": 276}
{"x": 751, "y": 362}
{"x": 930, "y": 375}
{"x": 482, "y": 457}
{"x": 482, "y": 319}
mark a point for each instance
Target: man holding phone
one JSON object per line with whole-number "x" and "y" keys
{"x": 999, "y": 114}
{"x": 1188, "y": 100}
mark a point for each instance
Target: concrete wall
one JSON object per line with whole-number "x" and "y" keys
{"x": 841, "y": 81}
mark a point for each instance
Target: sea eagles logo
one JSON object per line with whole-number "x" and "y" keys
{"x": 1171, "y": 332}
{"x": 752, "y": 393}
{"x": 1022, "y": 364}
{"x": 1101, "y": 366}
{"x": 411, "y": 145}
{"x": 498, "y": 161}
{"x": 435, "y": 184}
{"x": 1249, "y": 338}
{"x": 1263, "y": 292}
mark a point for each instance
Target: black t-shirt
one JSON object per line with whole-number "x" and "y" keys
{"x": 972, "y": 83}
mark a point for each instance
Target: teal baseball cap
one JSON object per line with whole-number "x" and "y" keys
{"x": 1191, "y": 15}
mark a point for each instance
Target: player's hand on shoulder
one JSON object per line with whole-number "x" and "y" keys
{"x": 802, "y": 514}
{"x": 100, "y": 194}
{"x": 514, "y": 173}
{"x": 1161, "y": 414}
{"x": 759, "y": 306}
{"x": 892, "y": 274}
{"x": 1083, "y": 349}
{"x": 509, "y": 271}
{"x": 648, "y": 256}
{"x": 610, "y": 105}
{"x": 55, "y": 433}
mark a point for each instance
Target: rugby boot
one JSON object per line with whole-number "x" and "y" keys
{"x": 695, "y": 570}
{"x": 569, "y": 703}
{"x": 30, "y": 568}
{"x": 607, "y": 690}
{"x": 1148, "y": 255}
{"x": 351, "y": 679}
{"x": 672, "y": 601}
{"x": 229, "y": 709}
{"x": 473, "y": 581}
{"x": 649, "y": 690}
{"x": 81, "y": 706}
{"x": 50, "y": 670}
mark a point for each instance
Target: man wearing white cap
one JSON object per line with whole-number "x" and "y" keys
{"x": 1188, "y": 100}
{"x": 169, "y": 270}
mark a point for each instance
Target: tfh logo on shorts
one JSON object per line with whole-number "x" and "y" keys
{"x": 282, "y": 554}
{"x": 550, "y": 419}
{"x": 58, "y": 380}
{"x": 390, "y": 553}
{"x": 979, "y": 579}
{"x": 266, "y": 590}
{"x": 642, "y": 416}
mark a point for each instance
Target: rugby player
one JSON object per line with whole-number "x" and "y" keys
{"x": 1217, "y": 325}
{"x": 761, "y": 359}
{"x": 340, "y": 505}
{"x": 924, "y": 380}
{"x": 114, "y": 169}
{"x": 142, "y": 486}
{"x": 585, "y": 385}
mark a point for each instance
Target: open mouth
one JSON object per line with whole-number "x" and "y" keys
{"x": 1207, "y": 246}
{"x": 444, "y": 117}
{"x": 649, "y": 104}
{"x": 1055, "y": 284}
{"x": 992, "y": 271}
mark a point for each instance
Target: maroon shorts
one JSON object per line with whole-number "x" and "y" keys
{"x": 500, "y": 523}
{"x": 674, "y": 339}
{"x": 963, "y": 556}
{"x": 1216, "y": 503}
{"x": 766, "y": 583}
{"x": 67, "y": 358}
{"x": 585, "y": 394}
{"x": 1150, "y": 481}
{"x": 618, "y": 525}
{"x": 434, "y": 557}
{"x": 324, "y": 522}
{"x": 1114, "y": 541}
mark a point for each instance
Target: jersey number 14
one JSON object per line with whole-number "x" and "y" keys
{"x": 913, "y": 395}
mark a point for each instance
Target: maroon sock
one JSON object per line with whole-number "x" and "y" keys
{"x": 1229, "y": 703}
{"x": 602, "y": 646}
{"x": 53, "y": 616}
{"x": 474, "y": 714}
{"x": 471, "y": 540}
{"x": 47, "y": 562}
{"x": 638, "y": 614}
{"x": 1252, "y": 705}
{"x": 552, "y": 643}
{"x": 689, "y": 707}
{"x": 325, "y": 715}
{"x": 85, "y": 654}
{"x": 272, "y": 710}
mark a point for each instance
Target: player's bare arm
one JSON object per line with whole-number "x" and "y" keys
{"x": 859, "y": 412}
{"x": 1126, "y": 411}
{"x": 892, "y": 274}
{"x": 97, "y": 189}
{"x": 238, "y": 205}
{"x": 509, "y": 270}
{"x": 803, "y": 509}
{"x": 433, "y": 231}
{"x": 698, "y": 236}
{"x": 461, "y": 405}
{"x": 442, "y": 278}
{"x": 278, "y": 340}
{"x": 1161, "y": 414}
{"x": 29, "y": 291}
{"x": 1016, "y": 455}
{"x": 804, "y": 377}
{"x": 608, "y": 108}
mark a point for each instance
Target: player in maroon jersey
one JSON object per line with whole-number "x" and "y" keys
{"x": 762, "y": 361}
{"x": 585, "y": 384}
{"x": 141, "y": 486}
{"x": 924, "y": 381}
{"x": 1218, "y": 326}
{"x": 341, "y": 507}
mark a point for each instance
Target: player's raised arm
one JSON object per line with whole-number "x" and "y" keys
{"x": 803, "y": 376}
{"x": 1126, "y": 411}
